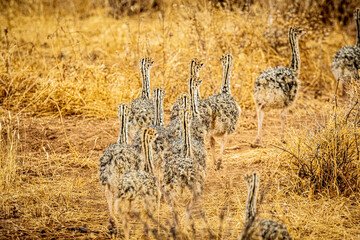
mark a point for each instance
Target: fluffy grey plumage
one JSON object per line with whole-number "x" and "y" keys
{"x": 198, "y": 151}
{"x": 119, "y": 157}
{"x": 142, "y": 112}
{"x": 225, "y": 111}
{"x": 198, "y": 148}
{"x": 182, "y": 173}
{"x": 278, "y": 88}
{"x": 105, "y": 161}
{"x": 255, "y": 227}
{"x": 205, "y": 114}
{"x": 346, "y": 62}
{"x": 161, "y": 145}
{"x": 204, "y": 111}
{"x": 262, "y": 229}
{"x": 197, "y": 128}
{"x": 137, "y": 185}
{"x": 183, "y": 169}
{"x": 195, "y": 67}
{"x": 117, "y": 160}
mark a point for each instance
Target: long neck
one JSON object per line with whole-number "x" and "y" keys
{"x": 145, "y": 75}
{"x": 185, "y": 101}
{"x": 251, "y": 200}
{"x": 295, "y": 56}
{"x": 159, "y": 112}
{"x": 194, "y": 72}
{"x": 225, "y": 88}
{"x": 186, "y": 135}
{"x": 122, "y": 139}
{"x": 147, "y": 150}
{"x": 193, "y": 98}
{"x": 358, "y": 29}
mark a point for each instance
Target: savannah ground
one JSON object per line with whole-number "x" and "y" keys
{"x": 66, "y": 65}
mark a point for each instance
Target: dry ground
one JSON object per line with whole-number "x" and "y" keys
{"x": 66, "y": 64}
{"x": 61, "y": 188}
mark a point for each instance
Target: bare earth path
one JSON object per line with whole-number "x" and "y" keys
{"x": 60, "y": 158}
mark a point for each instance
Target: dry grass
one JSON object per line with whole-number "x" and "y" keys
{"x": 64, "y": 69}
{"x": 325, "y": 158}
{"x": 80, "y": 64}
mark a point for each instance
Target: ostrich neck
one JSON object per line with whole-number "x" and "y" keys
{"x": 186, "y": 135}
{"x": 147, "y": 154}
{"x": 145, "y": 75}
{"x": 159, "y": 113}
{"x": 122, "y": 139}
{"x": 197, "y": 92}
{"x": 358, "y": 31}
{"x": 251, "y": 202}
{"x": 295, "y": 55}
{"x": 193, "y": 100}
{"x": 225, "y": 88}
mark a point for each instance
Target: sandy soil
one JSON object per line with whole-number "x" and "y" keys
{"x": 68, "y": 141}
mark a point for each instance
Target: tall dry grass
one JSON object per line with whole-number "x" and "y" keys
{"x": 61, "y": 58}
{"x": 82, "y": 60}
{"x": 325, "y": 158}
{"x": 9, "y": 144}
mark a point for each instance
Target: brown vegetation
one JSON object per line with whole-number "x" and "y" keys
{"x": 65, "y": 65}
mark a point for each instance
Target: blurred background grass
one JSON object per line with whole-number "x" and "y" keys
{"x": 82, "y": 56}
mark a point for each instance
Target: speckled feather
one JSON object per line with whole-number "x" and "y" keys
{"x": 136, "y": 185}
{"x": 197, "y": 130}
{"x": 205, "y": 114}
{"x": 142, "y": 112}
{"x": 198, "y": 150}
{"x": 119, "y": 157}
{"x": 276, "y": 88}
{"x": 160, "y": 146}
{"x": 182, "y": 170}
{"x": 225, "y": 113}
{"x": 141, "y": 115}
{"x": 256, "y": 228}
{"x": 204, "y": 110}
{"x": 346, "y": 62}
{"x": 116, "y": 160}
{"x": 263, "y": 229}
{"x": 181, "y": 173}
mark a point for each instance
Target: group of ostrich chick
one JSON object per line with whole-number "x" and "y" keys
{"x": 151, "y": 160}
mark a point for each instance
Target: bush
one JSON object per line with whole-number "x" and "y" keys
{"x": 325, "y": 159}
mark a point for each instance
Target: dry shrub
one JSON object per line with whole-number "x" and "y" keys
{"x": 9, "y": 143}
{"x": 128, "y": 7}
{"x": 325, "y": 158}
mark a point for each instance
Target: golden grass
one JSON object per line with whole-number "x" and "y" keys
{"x": 325, "y": 157}
{"x": 81, "y": 64}
{"x": 78, "y": 60}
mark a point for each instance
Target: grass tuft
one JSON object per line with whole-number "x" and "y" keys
{"x": 325, "y": 158}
